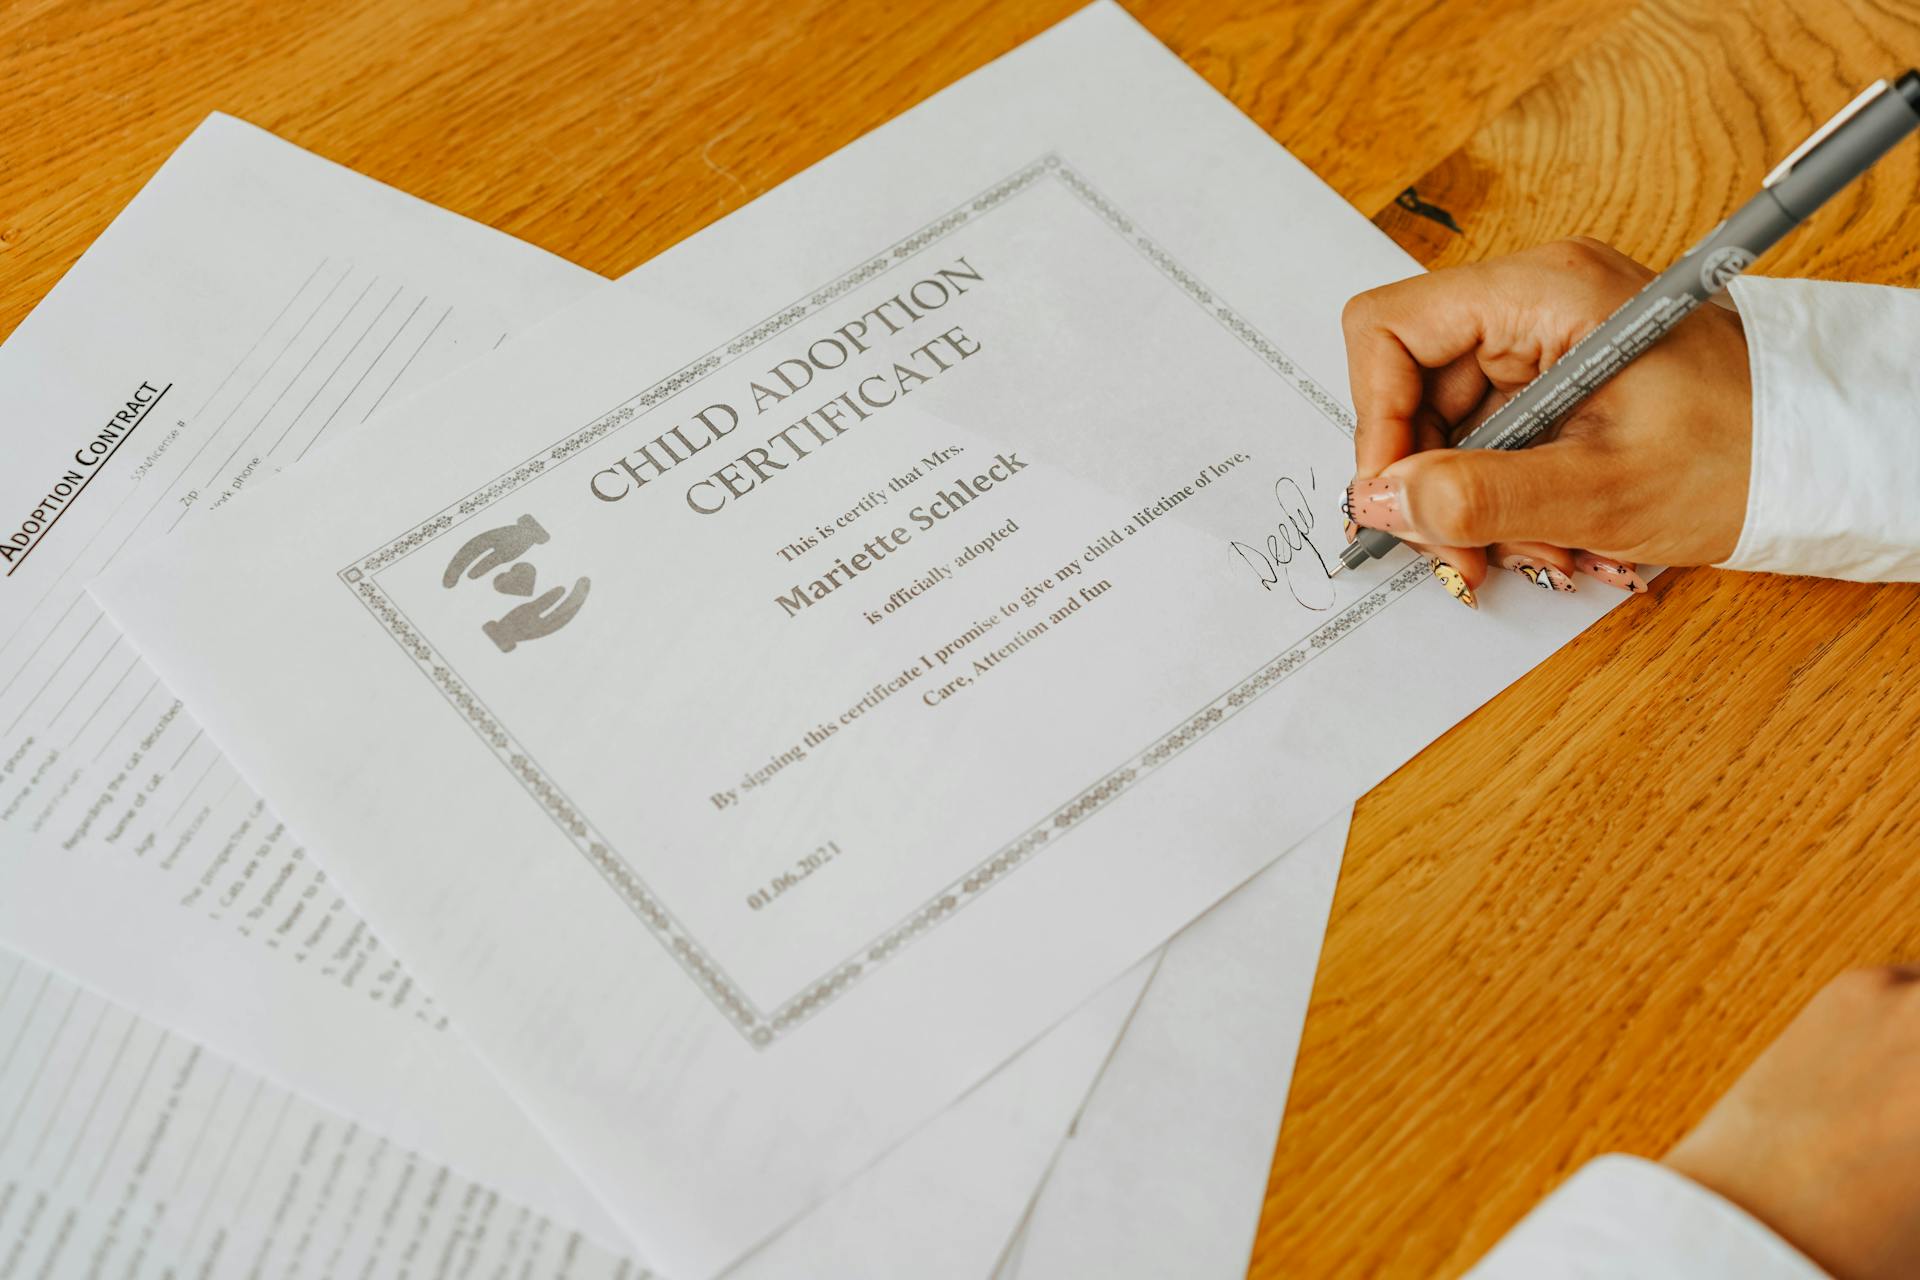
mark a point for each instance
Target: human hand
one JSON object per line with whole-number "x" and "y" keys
{"x": 1651, "y": 469}
{"x": 1820, "y": 1139}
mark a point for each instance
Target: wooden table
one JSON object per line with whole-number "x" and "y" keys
{"x": 1565, "y": 927}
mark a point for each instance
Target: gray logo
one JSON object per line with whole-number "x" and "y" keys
{"x": 501, "y": 549}
{"x": 1722, "y": 265}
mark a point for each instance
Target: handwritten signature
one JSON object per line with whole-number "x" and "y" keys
{"x": 1288, "y": 555}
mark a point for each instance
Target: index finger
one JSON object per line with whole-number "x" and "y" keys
{"x": 1397, "y": 335}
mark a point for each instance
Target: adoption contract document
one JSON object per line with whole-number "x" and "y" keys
{"x": 760, "y": 700}
{"x": 251, "y": 300}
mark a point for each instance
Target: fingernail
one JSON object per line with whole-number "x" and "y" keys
{"x": 1455, "y": 582}
{"x": 1611, "y": 572}
{"x": 1378, "y": 504}
{"x": 1538, "y": 572}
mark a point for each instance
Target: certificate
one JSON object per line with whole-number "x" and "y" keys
{"x": 763, "y": 698}
{"x": 903, "y": 544}
{"x": 132, "y": 858}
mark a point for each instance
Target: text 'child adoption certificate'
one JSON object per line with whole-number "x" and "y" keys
{"x": 761, "y": 699}
{"x": 287, "y": 299}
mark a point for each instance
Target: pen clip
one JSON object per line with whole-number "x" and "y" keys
{"x": 1826, "y": 131}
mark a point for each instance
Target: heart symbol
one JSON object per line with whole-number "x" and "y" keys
{"x": 517, "y": 581}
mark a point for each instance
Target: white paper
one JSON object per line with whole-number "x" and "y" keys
{"x": 1132, "y": 1139}
{"x": 945, "y": 1204}
{"x": 270, "y": 299}
{"x": 1166, "y": 1167}
{"x": 129, "y": 1150}
{"x": 233, "y": 1185}
{"x": 666, "y": 976}
{"x": 233, "y": 195}
{"x": 230, "y": 216}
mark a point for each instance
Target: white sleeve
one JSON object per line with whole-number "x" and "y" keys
{"x": 1624, "y": 1218}
{"x": 1836, "y": 430}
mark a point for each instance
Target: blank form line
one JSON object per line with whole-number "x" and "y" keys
{"x": 132, "y": 1102}
{"x": 220, "y": 1172}
{"x": 78, "y": 596}
{"x": 410, "y": 359}
{"x": 230, "y": 786}
{"x": 27, "y": 1021}
{"x": 43, "y": 688}
{"x": 91, "y": 672}
{"x": 355, "y": 389}
{"x": 266, "y": 1153}
{"x": 131, "y": 713}
{"x": 328, "y": 380}
{"x": 190, "y": 790}
{"x": 331, "y": 333}
{"x": 66, "y": 1090}
{"x": 60, "y": 665}
{"x": 106, "y": 1082}
{"x": 248, "y": 394}
{"x": 191, "y": 742}
{"x": 26, "y": 1094}
{"x": 102, "y": 705}
{"x": 200, "y": 1135}
{"x": 28, "y": 616}
{"x": 262, "y": 338}
{"x": 298, "y": 374}
{"x": 187, "y": 466}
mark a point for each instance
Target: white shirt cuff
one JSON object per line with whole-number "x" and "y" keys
{"x": 1624, "y": 1218}
{"x": 1835, "y": 488}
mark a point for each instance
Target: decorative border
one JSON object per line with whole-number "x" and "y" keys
{"x": 761, "y": 1027}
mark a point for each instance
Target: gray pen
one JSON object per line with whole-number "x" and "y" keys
{"x": 1838, "y": 152}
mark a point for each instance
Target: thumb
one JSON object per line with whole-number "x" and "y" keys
{"x": 1472, "y": 497}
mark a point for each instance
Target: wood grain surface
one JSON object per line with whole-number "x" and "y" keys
{"x": 1565, "y": 927}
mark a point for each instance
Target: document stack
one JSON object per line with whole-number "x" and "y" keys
{"x": 825, "y": 757}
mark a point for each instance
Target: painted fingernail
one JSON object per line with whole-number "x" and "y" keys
{"x": 1612, "y": 572}
{"x": 1378, "y": 504}
{"x": 1538, "y": 572}
{"x": 1455, "y": 582}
